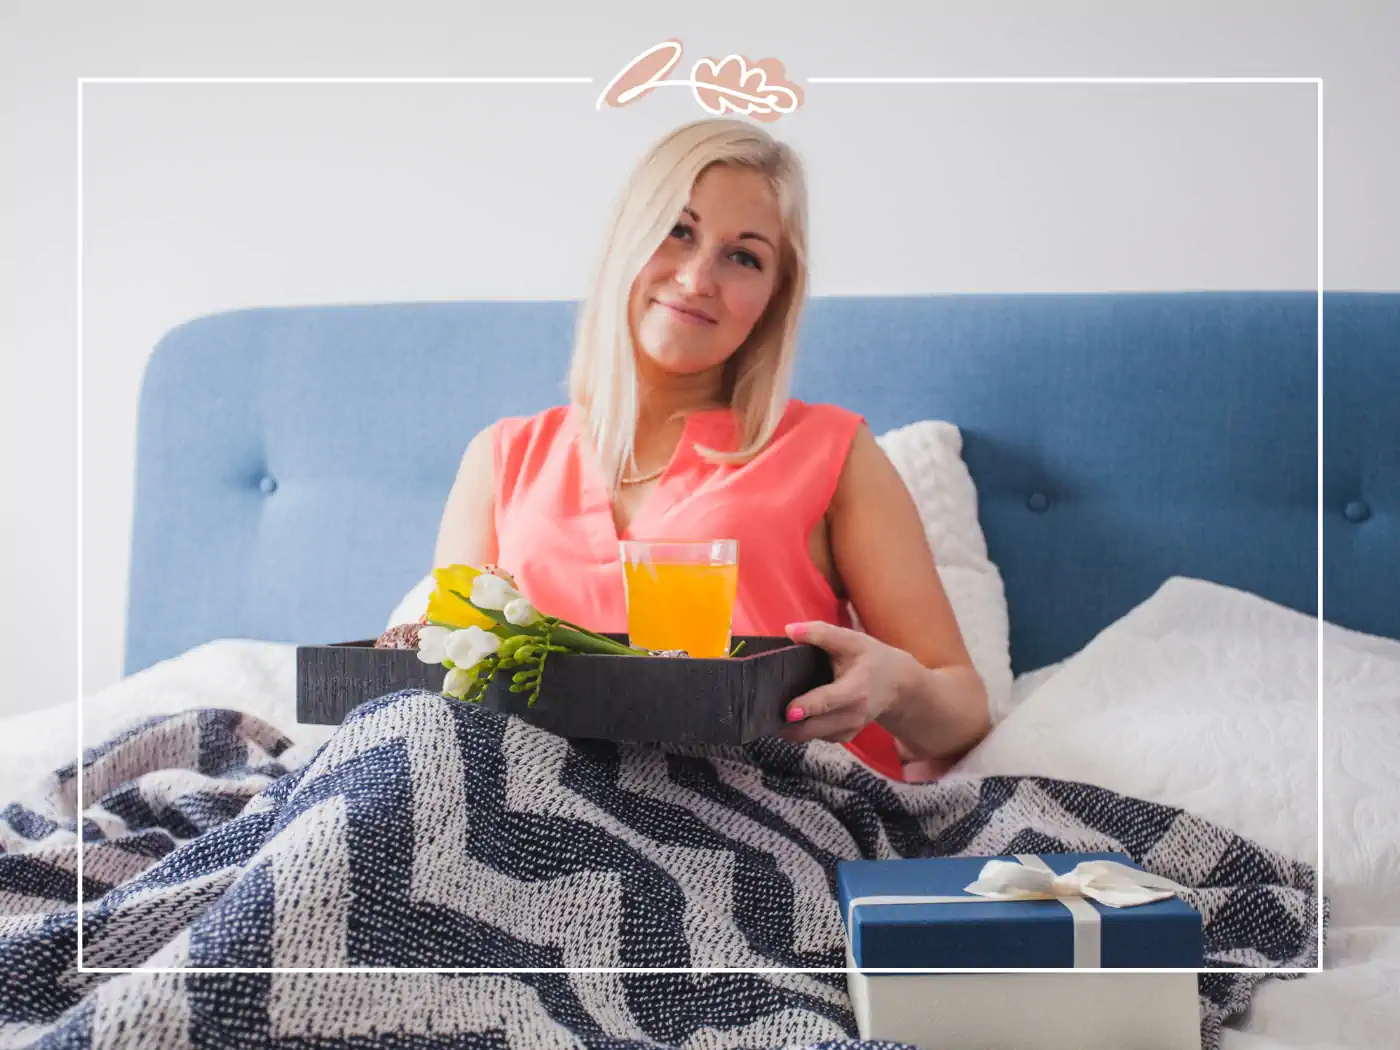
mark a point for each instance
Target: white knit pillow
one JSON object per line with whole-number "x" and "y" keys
{"x": 414, "y": 604}
{"x": 928, "y": 456}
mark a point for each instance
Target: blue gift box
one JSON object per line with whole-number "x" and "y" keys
{"x": 1000, "y": 934}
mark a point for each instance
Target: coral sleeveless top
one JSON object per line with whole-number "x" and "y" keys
{"x": 555, "y": 531}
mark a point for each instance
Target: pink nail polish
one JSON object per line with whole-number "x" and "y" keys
{"x": 796, "y": 714}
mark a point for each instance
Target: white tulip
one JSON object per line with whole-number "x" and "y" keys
{"x": 492, "y": 592}
{"x": 468, "y": 647}
{"x": 521, "y": 613}
{"x": 432, "y": 644}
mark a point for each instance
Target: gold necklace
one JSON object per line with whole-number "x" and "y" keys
{"x": 643, "y": 479}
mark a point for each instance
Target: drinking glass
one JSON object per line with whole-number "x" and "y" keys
{"x": 680, "y": 594}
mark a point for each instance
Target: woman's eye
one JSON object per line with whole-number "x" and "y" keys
{"x": 683, "y": 231}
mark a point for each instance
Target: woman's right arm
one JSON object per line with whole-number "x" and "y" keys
{"x": 467, "y": 535}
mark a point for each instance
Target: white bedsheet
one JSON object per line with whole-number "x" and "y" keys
{"x": 1205, "y": 698}
{"x": 1354, "y": 1003}
{"x": 257, "y": 677}
{"x": 1131, "y": 711}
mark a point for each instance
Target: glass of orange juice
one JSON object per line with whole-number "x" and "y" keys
{"x": 680, "y": 594}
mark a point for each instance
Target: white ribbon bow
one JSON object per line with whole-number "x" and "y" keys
{"x": 1029, "y": 878}
{"x": 1106, "y": 881}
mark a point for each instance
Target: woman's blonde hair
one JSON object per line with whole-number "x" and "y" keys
{"x": 603, "y": 372}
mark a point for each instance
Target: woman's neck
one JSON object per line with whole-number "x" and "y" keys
{"x": 657, "y": 403}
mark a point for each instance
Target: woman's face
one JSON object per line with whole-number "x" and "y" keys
{"x": 706, "y": 286}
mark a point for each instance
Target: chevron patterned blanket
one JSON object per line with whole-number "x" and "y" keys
{"x": 432, "y": 834}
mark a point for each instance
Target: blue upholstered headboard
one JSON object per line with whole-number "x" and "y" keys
{"x": 293, "y": 463}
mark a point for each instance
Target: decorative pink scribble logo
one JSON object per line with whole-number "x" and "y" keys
{"x": 733, "y": 84}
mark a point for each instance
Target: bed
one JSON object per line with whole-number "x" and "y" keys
{"x": 1145, "y": 491}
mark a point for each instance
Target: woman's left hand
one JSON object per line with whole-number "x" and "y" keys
{"x": 870, "y": 677}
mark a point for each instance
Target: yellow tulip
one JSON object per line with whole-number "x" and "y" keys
{"x": 446, "y": 608}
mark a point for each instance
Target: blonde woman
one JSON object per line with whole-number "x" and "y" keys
{"x": 680, "y": 425}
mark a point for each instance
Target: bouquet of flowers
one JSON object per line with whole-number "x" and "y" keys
{"x": 478, "y": 623}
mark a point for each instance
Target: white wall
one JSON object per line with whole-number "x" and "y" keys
{"x": 199, "y": 198}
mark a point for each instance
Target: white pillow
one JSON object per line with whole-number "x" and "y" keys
{"x": 1205, "y": 698}
{"x": 414, "y": 604}
{"x": 1202, "y": 697}
{"x": 928, "y": 456}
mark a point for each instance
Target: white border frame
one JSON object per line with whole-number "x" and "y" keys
{"x": 82, "y": 81}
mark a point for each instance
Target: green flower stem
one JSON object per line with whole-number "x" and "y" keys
{"x": 568, "y": 635}
{"x": 584, "y": 640}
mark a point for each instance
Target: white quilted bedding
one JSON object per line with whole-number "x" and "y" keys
{"x": 1206, "y": 698}
{"x": 1201, "y": 697}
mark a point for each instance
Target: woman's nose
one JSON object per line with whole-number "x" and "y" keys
{"x": 697, "y": 274}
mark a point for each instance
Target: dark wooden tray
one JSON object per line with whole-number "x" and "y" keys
{"x": 623, "y": 698}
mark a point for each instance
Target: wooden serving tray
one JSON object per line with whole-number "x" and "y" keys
{"x": 623, "y": 698}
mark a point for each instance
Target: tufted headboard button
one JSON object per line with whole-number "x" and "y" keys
{"x": 1356, "y": 511}
{"x": 1036, "y": 502}
{"x": 268, "y": 485}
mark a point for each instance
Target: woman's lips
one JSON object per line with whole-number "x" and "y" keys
{"x": 688, "y": 316}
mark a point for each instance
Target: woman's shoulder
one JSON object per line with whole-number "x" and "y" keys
{"x": 822, "y": 416}
{"x": 529, "y": 430}
{"x": 524, "y": 447}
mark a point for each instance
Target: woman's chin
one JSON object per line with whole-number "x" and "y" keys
{"x": 681, "y": 363}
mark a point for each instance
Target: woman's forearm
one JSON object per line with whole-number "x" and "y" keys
{"x": 940, "y": 713}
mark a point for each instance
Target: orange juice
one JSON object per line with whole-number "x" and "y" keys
{"x": 680, "y": 604}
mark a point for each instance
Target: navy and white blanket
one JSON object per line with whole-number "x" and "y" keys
{"x": 429, "y": 833}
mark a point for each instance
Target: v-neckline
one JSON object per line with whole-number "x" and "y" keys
{"x": 598, "y": 484}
